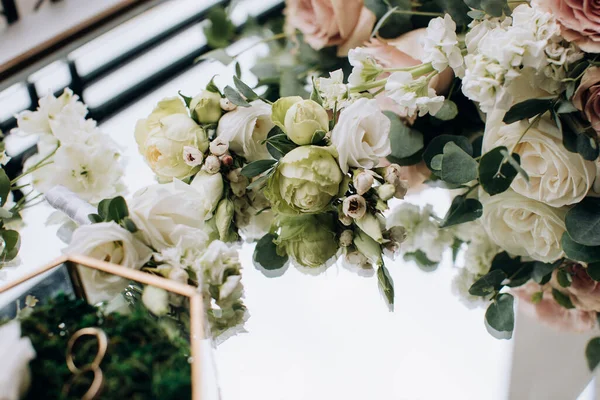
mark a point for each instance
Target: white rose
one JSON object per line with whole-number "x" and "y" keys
{"x": 210, "y": 191}
{"x": 162, "y": 137}
{"x": 16, "y": 352}
{"x": 165, "y": 212}
{"x": 557, "y": 177}
{"x": 245, "y": 128}
{"x": 361, "y": 135}
{"x": 107, "y": 241}
{"x": 524, "y": 227}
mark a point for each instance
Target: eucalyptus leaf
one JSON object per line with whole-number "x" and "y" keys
{"x": 592, "y": 353}
{"x": 238, "y": 70}
{"x": 405, "y": 141}
{"x": 436, "y": 146}
{"x": 495, "y": 173}
{"x": 562, "y": 299}
{"x": 514, "y": 160}
{"x": 542, "y": 271}
{"x": 500, "y": 317}
{"x": 528, "y": 109}
{"x": 265, "y": 254}
{"x": 448, "y": 112}
{"x": 494, "y": 8}
{"x": 257, "y": 167}
{"x": 458, "y": 167}
{"x": 4, "y": 187}
{"x": 579, "y": 252}
{"x": 593, "y": 270}
{"x": 420, "y": 258}
{"x": 564, "y": 278}
{"x": 233, "y": 96}
{"x": 386, "y": 286}
{"x": 462, "y": 210}
{"x": 12, "y": 244}
{"x": 245, "y": 90}
{"x": 219, "y": 55}
{"x": 488, "y": 284}
{"x": 583, "y": 222}
{"x": 587, "y": 147}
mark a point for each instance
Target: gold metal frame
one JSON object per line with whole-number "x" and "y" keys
{"x": 195, "y": 297}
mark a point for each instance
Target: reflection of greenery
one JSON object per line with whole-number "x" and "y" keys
{"x": 141, "y": 361}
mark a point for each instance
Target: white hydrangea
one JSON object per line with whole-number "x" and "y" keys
{"x": 480, "y": 249}
{"x": 365, "y": 68}
{"x": 461, "y": 283}
{"x": 440, "y": 45}
{"x": 422, "y": 231}
{"x": 413, "y": 95}
{"x": 332, "y": 89}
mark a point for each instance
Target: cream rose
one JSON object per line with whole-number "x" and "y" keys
{"x": 164, "y": 213}
{"x": 524, "y": 227}
{"x": 16, "y": 353}
{"x": 343, "y": 23}
{"x": 361, "y": 135}
{"x": 107, "y": 241}
{"x": 557, "y": 177}
{"x": 245, "y": 129}
{"x": 162, "y": 137}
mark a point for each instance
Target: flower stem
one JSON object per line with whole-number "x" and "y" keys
{"x": 369, "y": 85}
{"x": 37, "y": 166}
{"x": 531, "y": 124}
{"x": 417, "y": 71}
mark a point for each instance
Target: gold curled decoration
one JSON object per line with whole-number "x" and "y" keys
{"x": 96, "y": 386}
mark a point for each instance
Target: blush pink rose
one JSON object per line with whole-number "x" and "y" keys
{"x": 343, "y": 23}
{"x": 579, "y": 20}
{"x": 587, "y": 97}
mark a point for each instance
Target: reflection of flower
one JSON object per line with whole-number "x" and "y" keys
{"x": 587, "y": 97}
{"x": 16, "y": 352}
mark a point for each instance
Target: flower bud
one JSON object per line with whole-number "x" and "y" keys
{"x": 303, "y": 120}
{"x": 354, "y": 206}
{"x": 397, "y": 234}
{"x": 178, "y": 275}
{"x": 212, "y": 165}
{"x": 370, "y": 225}
{"x": 227, "y": 105}
{"x": 226, "y": 160}
{"x": 357, "y": 258}
{"x": 363, "y": 182}
{"x": 386, "y": 191}
{"x": 401, "y": 189}
{"x": 239, "y": 188}
{"x": 368, "y": 247}
{"x": 223, "y": 218}
{"x": 345, "y": 220}
{"x": 219, "y": 146}
{"x": 235, "y": 175}
{"x": 192, "y": 156}
{"x": 391, "y": 173}
{"x": 346, "y": 238}
{"x": 206, "y": 107}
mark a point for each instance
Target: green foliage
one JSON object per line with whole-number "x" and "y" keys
{"x": 542, "y": 272}
{"x": 448, "y": 112}
{"x": 187, "y": 100}
{"x": 142, "y": 362}
{"x": 564, "y": 278}
{"x": 4, "y": 187}
{"x": 494, "y": 8}
{"x": 436, "y": 146}
{"x": 219, "y": 55}
{"x": 390, "y": 24}
{"x": 386, "y": 285}
{"x": 592, "y": 353}
{"x": 528, "y": 109}
{"x": 457, "y": 9}
{"x": 462, "y": 210}
{"x": 265, "y": 253}
{"x": 593, "y": 270}
{"x": 488, "y": 284}
{"x": 562, "y": 299}
{"x": 278, "y": 143}
{"x": 405, "y": 141}
{"x": 454, "y": 165}
{"x": 12, "y": 244}
{"x": 500, "y": 316}
{"x": 420, "y": 258}
{"x": 315, "y": 95}
{"x": 220, "y": 30}
{"x": 579, "y": 252}
{"x": 234, "y": 97}
{"x": 495, "y": 172}
{"x": 114, "y": 210}
{"x": 257, "y": 167}
{"x": 583, "y": 222}
{"x": 245, "y": 90}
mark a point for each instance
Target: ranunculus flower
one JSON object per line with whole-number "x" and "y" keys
{"x": 246, "y": 128}
{"x": 579, "y": 20}
{"x": 165, "y": 212}
{"x": 305, "y": 181}
{"x": 16, "y": 353}
{"x": 557, "y": 177}
{"x": 587, "y": 97}
{"x": 343, "y": 23}
{"x": 308, "y": 239}
{"x": 522, "y": 226}
{"x": 106, "y": 241}
{"x": 361, "y": 135}
{"x": 162, "y": 136}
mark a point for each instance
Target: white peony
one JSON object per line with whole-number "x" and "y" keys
{"x": 524, "y": 227}
{"x": 16, "y": 352}
{"x": 165, "y": 212}
{"x": 333, "y": 90}
{"x": 361, "y": 135}
{"x": 413, "y": 95}
{"x": 162, "y": 137}
{"x": 246, "y": 128}
{"x": 107, "y": 241}
{"x": 557, "y": 177}
{"x": 440, "y": 45}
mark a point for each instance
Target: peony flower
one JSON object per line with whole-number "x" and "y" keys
{"x": 557, "y": 177}
{"x": 587, "y": 97}
{"x": 413, "y": 95}
{"x": 165, "y": 212}
{"x": 524, "y": 227}
{"x": 346, "y": 24}
{"x": 162, "y": 137}
{"x": 361, "y": 135}
{"x": 246, "y": 128}
{"x": 16, "y": 353}
{"x": 440, "y": 45}
{"x": 579, "y": 20}
{"x": 305, "y": 181}
{"x": 106, "y": 241}
{"x": 308, "y": 239}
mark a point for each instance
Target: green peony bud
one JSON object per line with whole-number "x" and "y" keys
{"x": 305, "y": 181}
{"x": 303, "y": 120}
{"x": 280, "y": 109}
{"x": 206, "y": 106}
{"x": 308, "y": 239}
{"x": 223, "y": 218}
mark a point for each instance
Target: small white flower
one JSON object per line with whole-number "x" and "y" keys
{"x": 354, "y": 206}
{"x": 4, "y": 159}
{"x": 363, "y": 182}
{"x": 192, "y": 156}
{"x": 440, "y": 45}
{"x": 413, "y": 94}
{"x": 333, "y": 90}
{"x": 219, "y": 146}
{"x": 365, "y": 68}
{"x": 16, "y": 353}
{"x": 212, "y": 164}
{"x": 346, "y": 238}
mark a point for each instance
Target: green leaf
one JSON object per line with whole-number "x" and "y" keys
{"x": 458, "y": 167}
{"x": 562, "y": 299}
{"x": 456, "y": 245}
{"x": 436, "y": 146}
{"x": 117, "y": 209}
{"x": 564, "y": 278}
{"x": 290, "y": 84}
{"x": 542, "y": 271}
{"x": 496, "y": 175}
{"x": 448, "y": 112}
{"x": 219, "y": 31}
{"x": 257, "y": 167}
{"x": 436, "y": 163}
{"x": 4, "y": 187}
{"x": 235, "y": 97}
{"x": 462, "y": 210}
{"x": 583, "y": 222}
{"x": 458, "y": 10}
{"x": 129, "y": 225}
{"x": 405, "y": 141}
{"x": 238, "y": 71}
{"x": 103, "y": 209}
{"x": 12, "y": 242}
{"x": 315, "y": 95}
{"x": 528, "y": 109}
{"x": 565, "y": 107}
{"x": 219, "y": 55}
{"x": 593, "y": 270}
{"x": 258, "y": 183}
{"x": 515, "y": 161}
{"x": 579, "y": 252}
{"x": 500, "y": 317}
{"x": 278, "y": 144}
{"x": 587, "y": 147}
{"x": 488, "y": 284}
{"x": 537, "y": 297}
{"x": 592, "y": 353}
{"x": 95, "y": 218}
{"x": 420, "y": 258}
{"x": 318, "y": 136}
{"x": 245, "y": 90}
{"x": 265, "y": 254}
{"x": 386, "y": 285}
{"x": 212, "y": 87}
{"x": 494, "y": 8}
{"x": 186, "y": 99}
